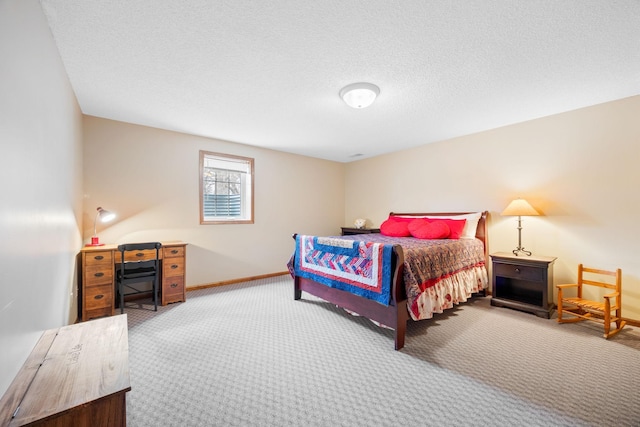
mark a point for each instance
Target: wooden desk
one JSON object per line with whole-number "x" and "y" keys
{"x": 77, "y": 375}
{"x": 98, "y": 288}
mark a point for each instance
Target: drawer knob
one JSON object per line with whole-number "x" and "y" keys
{"x": 98, "y": 257}
{"x": 174, "y": 251}
{"x": 174, "y": 266}
{"x": 174, "y": 285}
{"x": 517, "y": 270}
{"x": 99, "y": 274}
{"x": 98, "y": 296}
{"x": 139, "y": 254}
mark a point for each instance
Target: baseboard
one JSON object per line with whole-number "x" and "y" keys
{"x": 233, "y": 281}
{"x": 630, "y": 322}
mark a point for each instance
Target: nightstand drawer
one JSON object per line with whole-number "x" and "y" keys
{"x": 531, "y": 274}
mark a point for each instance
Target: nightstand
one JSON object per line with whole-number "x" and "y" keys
{"x": 347, "y": 231}
{"x": 523, "y": 282}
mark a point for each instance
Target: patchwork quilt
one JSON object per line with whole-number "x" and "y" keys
{"x": 437, "y": 273}
{"x": 359, "y": 267}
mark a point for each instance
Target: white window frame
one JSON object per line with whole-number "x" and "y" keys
{"x": 234, "y": 163}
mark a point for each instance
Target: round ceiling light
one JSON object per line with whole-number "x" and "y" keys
{"x": 359, "y": 95}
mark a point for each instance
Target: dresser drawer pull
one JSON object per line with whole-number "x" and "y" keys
{"x": 174, "y": 285}
{"x": 517, "y": 270}
{"x": 99, "y": 274}
{"x": 98, "y": 257}
{"x": 174, "y": 251}
{"x": 140, "y": 254}
{"x": 98, "y": 296}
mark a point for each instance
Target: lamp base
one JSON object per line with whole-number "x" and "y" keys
{"x": 521, "y": 250}
{"x": 95, "y": 242}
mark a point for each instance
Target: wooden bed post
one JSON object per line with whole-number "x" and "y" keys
{"x": 399, "y": 298}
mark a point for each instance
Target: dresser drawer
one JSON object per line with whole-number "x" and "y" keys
{"x": 97, "y": 274}
{"x": 98, "y": 297}
{"x": 172, "y": 251}
{"x": 173, "y": 286}
{"x": 533, "y": 274}
{"x": 98, "y": 258}
{"x": 173, "y": 267}
{"x": 142, "y": 255}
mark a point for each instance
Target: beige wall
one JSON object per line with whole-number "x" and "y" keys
{"x": 41, "y": 185}
{"x": 149, "y": 177}
{"x": 580, "y": 169}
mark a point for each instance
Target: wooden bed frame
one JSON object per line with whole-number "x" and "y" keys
{"x": 395, "y": 315}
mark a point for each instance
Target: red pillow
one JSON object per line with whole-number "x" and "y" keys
{"x": 424, "y": 229}
{"x": 402, "y": 218}
{"x": 455, "y": 226}
{"x": 395, "y": 228}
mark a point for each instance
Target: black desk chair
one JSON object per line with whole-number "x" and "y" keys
{"x": 138, "y": 265}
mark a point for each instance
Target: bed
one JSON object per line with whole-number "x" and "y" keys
{"x": 390, "y": 280}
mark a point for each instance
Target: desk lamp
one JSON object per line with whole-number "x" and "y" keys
{"x": 519, "y": 208}
{"x": 105, "y": 216}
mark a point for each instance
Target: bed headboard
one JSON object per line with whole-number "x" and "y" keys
{"x": 481, "y": 231}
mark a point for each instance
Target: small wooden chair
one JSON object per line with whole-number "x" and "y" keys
{"x": 608, "y": 310}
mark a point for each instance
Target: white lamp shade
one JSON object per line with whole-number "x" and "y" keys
{"x": 105, "y": 215}
{"x": 519, "y": 207}
{"x": 359, "y": 95}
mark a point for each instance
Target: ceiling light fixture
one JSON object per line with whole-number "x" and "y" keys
{"x": 359, "y": 95}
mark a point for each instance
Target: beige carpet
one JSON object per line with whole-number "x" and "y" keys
{"x": 249, "y": 355}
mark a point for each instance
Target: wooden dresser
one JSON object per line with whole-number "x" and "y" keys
{"x": 98, "y": 289}
{"x": 76, "y": 375}
{"x": 172, "y": 288}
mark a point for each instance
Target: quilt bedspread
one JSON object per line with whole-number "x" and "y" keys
{"x": 360, "y": 267}
{"x": 437, "y": 273}
{"x": 441, "y": 273}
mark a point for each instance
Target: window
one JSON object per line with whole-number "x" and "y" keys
{"x": 226, "y": 189}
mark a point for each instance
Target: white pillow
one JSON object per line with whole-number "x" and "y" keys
{"x": 470, "y": 227}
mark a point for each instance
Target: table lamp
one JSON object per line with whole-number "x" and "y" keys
{"x": 105, "y": 216}
{"x": 519, "y": 208}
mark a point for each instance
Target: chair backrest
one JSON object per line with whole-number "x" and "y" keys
{"x": 593, "y": 272}
{"x": 139, "y": 257}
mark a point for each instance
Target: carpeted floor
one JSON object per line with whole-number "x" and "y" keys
{"x": 249, "y": 355}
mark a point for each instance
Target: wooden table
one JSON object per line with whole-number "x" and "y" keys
{"x": 76, "y": 375}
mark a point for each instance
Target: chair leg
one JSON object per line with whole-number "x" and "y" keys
{"x": 121, "y": 292}
{"x": 155, "y": 294}
{"x": 607, "y": 317}
{"x": 559, "y": 306}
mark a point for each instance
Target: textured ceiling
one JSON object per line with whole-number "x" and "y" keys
{"x": 268, "y": 73}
